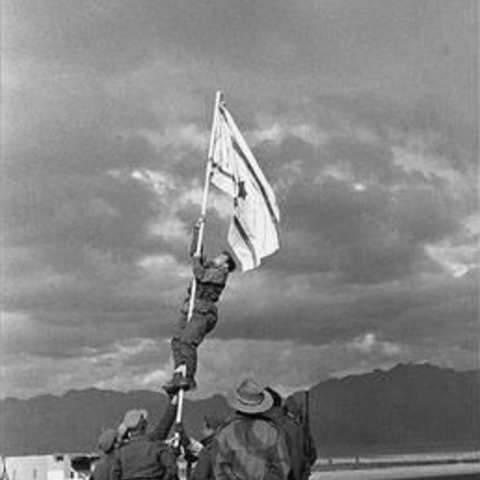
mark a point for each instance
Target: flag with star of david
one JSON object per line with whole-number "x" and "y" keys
{"x": 253, "y": 232}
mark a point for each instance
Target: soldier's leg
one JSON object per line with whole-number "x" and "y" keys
{"x": 177, "y": 333}
{"x": 190, "y": 359}
{"x": 189, "y": 335}
{"x": 212, "y": 318}
{"x": 176, "y": 352}
{"x": 193, "y": 335}
{"x": 195, "y": 330}
{"x": 190, "y": 338}
{"x": 182, "y": 355}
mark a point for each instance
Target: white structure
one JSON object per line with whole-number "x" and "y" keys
{"x": 49, "y": 467}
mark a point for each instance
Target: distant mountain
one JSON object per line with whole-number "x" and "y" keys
{"x": 409, "y": 405}
{"x": 73, "y": 422}
{"x": 416, "y": 406}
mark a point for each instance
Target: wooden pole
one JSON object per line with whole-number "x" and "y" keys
{"x": 208, "y": 174}
{"x": 198, "y": 250}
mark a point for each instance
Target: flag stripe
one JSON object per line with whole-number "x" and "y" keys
{"x": 260, "y": 185}
{"x": 254, "y": 226}
{"x": 243, "y": 234}
{"x": 237, "y": 148}
{"x": 221, "y": 170}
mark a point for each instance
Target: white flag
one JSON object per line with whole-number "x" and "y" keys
{"x": 254, "y": 229}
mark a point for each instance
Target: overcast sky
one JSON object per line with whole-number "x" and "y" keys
{"x": 362, "y": 115}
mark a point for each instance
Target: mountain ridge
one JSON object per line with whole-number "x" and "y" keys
{"x": 409, "y": 404}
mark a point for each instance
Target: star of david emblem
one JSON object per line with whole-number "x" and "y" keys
{"x": 241, "y": 192}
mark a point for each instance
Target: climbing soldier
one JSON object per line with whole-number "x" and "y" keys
{"x": 210, "y": 280}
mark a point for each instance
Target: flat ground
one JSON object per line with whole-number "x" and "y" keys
{"x": 470, "y": 471}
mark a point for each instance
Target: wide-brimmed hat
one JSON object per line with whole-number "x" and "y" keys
{"x": 133, "y": 418}
{"x": 249, "y": 397}
{"x": 277, "y": 398}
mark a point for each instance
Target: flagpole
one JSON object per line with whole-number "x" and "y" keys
{"x": 208, "y": 174}
{"x": 198, "y": 249}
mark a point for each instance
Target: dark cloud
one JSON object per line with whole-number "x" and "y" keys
{"x": 60, "y": 332}
{"x": 269, "y": 38}
{"x": 332, "y": 227}
{"x": 373, "y": 156}
{"x": 367, "y": 163}
{"x": 328, "y": 312}
{"x": 424, "y": 214}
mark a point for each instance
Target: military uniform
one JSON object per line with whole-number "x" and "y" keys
{"x": 210, "y": 281}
